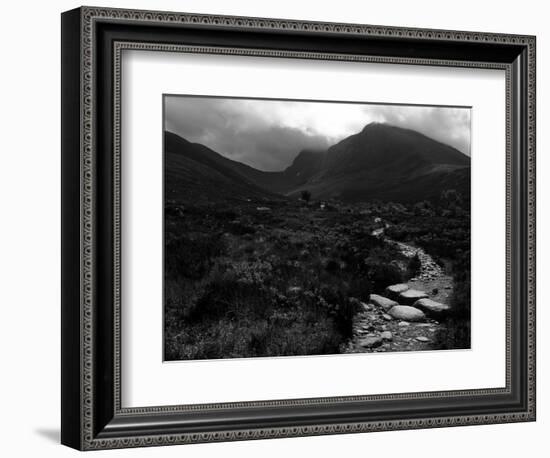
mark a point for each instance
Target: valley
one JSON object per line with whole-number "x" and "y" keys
{"x": 291, "y": 262}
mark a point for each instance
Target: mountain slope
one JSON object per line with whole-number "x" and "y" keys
{"x": 381, "y": 162}
{"x": 389, "y": 163}
{"x": 195, "y": 173}
{"x": 303, "y": 166}
{"x": 388, "y": 147}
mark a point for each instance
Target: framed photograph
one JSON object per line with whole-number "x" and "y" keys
{"x": 276, "y": 228}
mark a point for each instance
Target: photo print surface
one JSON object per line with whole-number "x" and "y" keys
{"x": 314, "y": 228}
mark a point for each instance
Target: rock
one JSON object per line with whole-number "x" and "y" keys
{"x": 294, "y": 290}
{"x": 422, "y": 339}
{"x": 394, "y": 291}
{"x": 410, "y": 296}
{"x": 403, "y": 324}
{"x": 371, "y": 342}
{"x": 406, "y": 313}
{"x": 367, "y": 307}
{"x": 263, "y": 209}
{"x": 382, "y": 301}
{"x": 386, "y": 335}
{"x": 387, "y": 317}
{"x": 432, "y": 308}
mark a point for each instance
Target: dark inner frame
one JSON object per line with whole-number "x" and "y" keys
{"x": 109, "y": 420}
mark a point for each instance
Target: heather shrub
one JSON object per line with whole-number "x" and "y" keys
{"x": 192, "y": 257}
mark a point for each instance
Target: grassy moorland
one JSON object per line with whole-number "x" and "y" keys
{"x": 286, "y": 277}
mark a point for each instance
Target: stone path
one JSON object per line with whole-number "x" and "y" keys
{"x": 429, "y": 269}
{"x": 409, "y": 315}
{"x": 376, "y": 332}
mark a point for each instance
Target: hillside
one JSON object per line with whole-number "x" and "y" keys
{"x": 381, "y": 162}
{"x": 195, "y": 173}
{"x": 390, "y": 164}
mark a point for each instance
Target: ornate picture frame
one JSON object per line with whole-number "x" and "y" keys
{"x": 93, "y": 416}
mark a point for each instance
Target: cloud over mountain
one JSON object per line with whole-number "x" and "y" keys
{"x": 267, "y": 134}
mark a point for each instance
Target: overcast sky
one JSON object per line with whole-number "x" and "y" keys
{"x": 268, "y": 134}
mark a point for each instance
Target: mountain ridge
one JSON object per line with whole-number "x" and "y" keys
{"x": 381, "y": 161}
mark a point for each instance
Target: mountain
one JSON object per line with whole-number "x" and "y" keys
{"x": 381, "y": 162}
{"x": 196, "y": 173}
{"x": 388, "y": 163}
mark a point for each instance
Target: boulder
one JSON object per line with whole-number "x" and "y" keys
{"x": 371, "y": 342}
{"x": 381, "y": 301}
{"x": 394, "y": 291}
{"x": 432, "y": 308}
{"x": 367, "y": 307}
{"x": 294, "y": 290}
{"x": 386, "y": 335}
{"x": 406, "y": 313}
{"x": 410, "y": 296}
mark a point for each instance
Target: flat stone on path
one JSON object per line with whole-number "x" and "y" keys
{"x": 382, "y": 301}
{"x": 394, "y": 291}
{"x": 410, "y": 296}
{"x": 371, "y": 342}
{"x": 367, "y": 307}
{"x": 432, "y": 308}
{"x": 406, "y": 313}
{"x": 294, "y": 290}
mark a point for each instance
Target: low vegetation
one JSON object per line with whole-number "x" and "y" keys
{"x": 280, "y": 278}
{"x": 286, "y": 277}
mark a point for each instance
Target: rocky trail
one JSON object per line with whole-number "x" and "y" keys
{"x": 409, "y": 315}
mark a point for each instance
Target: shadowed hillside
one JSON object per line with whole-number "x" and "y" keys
{"x": 195, "y": 173}
{"x": 390, "y": 164}
{"x": 381, "y": 162}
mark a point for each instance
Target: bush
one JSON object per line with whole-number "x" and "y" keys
{"x": 458, "y": 332}
{"x": 192, "y": 258}
{"x": 383, "y": 275}
{"x": 235, "y": 319}
{"x": 305, "y": 196}
{"x": 237, "y": 227}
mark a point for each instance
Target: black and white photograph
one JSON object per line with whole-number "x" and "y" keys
{"x": 314, "y": 227}
{"x": 277, "y": 222}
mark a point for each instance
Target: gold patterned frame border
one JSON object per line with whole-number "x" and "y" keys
{"x": 89, "y": 16}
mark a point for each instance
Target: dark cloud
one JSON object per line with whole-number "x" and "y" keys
{"x": 447, "y": 125}
{"x": 268, "y": 134}
{"x": 230, "y": 128}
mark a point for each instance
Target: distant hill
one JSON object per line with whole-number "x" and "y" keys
{"x": 381, "y": 162}
{"x": 389, "y": 163}
{"x": 196, "y": 173}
